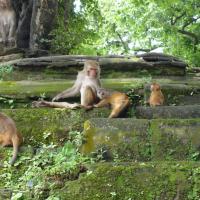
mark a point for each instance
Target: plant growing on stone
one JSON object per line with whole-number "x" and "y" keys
{"x": 7, "y": 102}
{"x": 5, "y": 70}
{"x": 48, "y": 169}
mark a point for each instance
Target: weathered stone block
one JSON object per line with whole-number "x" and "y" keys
{"x": 181, "y": 112}
{"x": 124, "y": 139}
{"x": 175, "y": 139}
{"x": 50, "y": 125}
{"x": 118, "y": 66}
{"x": 142, "y": 140}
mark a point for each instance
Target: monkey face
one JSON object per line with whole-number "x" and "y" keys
{"x": 92, "y": 72}
{"x": 102, "y": 93}
{"x": 155, "y": 87}
{"x": 92, "y": 68}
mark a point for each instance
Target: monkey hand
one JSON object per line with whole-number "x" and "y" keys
{"x": 88, "y": 107}
{"x": 56, "y": 98}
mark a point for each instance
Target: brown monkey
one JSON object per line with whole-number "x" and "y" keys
{"x": 117, "y": 100}
{"x": 86, "y": 84}
{"x": 156, "y": 98}
{"x": 7, "y": 23}
{"x": 9, "y": 136}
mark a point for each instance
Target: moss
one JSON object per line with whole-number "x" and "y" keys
{"x": 174, "y": 139}
{"x": 122, "y": 139}
{"x": 134, "y": 181}
{"x": 143, "y": 140}
{"x": 50, "y": 125}
{"x": 57, "y": 70}
{"x": 88, "y": 136}
{"x": 22, "y": 93}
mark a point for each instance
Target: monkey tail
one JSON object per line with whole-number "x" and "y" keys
{"x": 16, "y": 143}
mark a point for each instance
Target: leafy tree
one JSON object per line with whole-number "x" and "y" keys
{"x": 125, "y": 26}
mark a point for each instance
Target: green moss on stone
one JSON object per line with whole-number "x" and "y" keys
{"x": 122, "y": 139}
{"x": 50, "y": 125}
{"x": 141, "y": 181}
{"x": 175, "y": 139}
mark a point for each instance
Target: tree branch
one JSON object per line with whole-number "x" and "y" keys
{"x": 123, "y": 43}
{"x": 192, "y": 20}
{"x": 173, "y": 21}
{"x": 191, "y": 35}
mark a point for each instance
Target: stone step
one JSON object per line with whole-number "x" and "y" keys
{"x": 180, "y": 112}
{"x": 22, "y": 93}
{"x": 142, "y": 139}
{"x": 136, "y": 181}
{"x": 61, "y": 66}
{"x": 26, "y": 91}
{"x": 50, "y": 125}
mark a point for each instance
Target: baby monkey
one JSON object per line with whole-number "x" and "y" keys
{"x": 117, "y": 100}
{"x": 156, "y": 97}
{"x": 9, "y": 136}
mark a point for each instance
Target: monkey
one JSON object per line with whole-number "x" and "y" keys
{"x": 156, "y": 97}
{"x": 117, "y": 100}
{"x": 87, "y": 83}
{"x": 9, "y": 136}
{"x": 7, "y": 23}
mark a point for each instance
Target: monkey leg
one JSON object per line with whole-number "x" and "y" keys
{"x": 117, "y": 109}
{"x": 115, "y": 112}
{"x": 55, "y": 104}
{"x": 88, "y": 96}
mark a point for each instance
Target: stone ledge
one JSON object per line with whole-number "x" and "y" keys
{"x": 68, "y": 64}
{"x": 34, "y": 89}
{"x": 180, "y": 112}
{"x": 143, "y": 140}
{"x": 50, "y": 125}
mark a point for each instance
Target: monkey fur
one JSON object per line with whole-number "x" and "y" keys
{"x": 117, "y": 100}
{"x": 9, "y": 136}
{"x": 86, "y": 84}
{"x": 156, "y": 96}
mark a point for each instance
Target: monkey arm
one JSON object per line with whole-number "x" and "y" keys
{"x": 102, "y": 103}
{"x": 71, "y": 92}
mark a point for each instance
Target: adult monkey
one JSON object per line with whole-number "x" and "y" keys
{"x": 7, "y": 23}
{"x": 86, "y": 84}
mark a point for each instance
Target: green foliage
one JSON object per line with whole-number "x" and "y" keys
{"x": 10, "y": 103}
{"x": 123, "y": 27}
{"x": 5, "y": 70}
{"x": 48, "y": 169}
